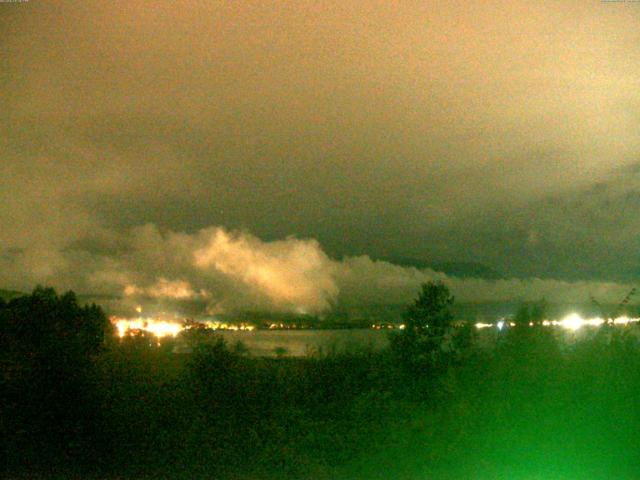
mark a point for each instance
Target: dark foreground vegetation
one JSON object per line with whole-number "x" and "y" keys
{"x": 78, "y": 403}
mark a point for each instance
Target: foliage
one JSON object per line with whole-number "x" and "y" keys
{"x": 424, "y": 343}
{"x": 534, "y": 312}
{"x": 48, "y": 345}
{"x": 75, "y": 404}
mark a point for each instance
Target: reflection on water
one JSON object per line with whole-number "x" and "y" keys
{"x": 297, "y": 343}
{"x": 304, "y": 342}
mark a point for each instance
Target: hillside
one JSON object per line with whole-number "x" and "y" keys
{"x": 9, "y": 294}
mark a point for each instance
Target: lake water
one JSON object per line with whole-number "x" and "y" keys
{"x": 299, "y": 343}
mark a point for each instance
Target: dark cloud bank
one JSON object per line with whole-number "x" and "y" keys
{"x": 262, "y": 155}
{"x": 225, "y": 271}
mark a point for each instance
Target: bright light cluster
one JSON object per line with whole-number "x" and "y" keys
{"x": 389, "y": 326}
{"x": 571, "y": 322}
{"x": 480, "y": 325}
{"x": 500, "y": 324}
{"x": 228, "y": 326}
{"x": 163, "y": 328}
{"x": 159, "y": 328}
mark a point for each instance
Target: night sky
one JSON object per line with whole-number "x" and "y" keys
{"x": 272, "y": 154}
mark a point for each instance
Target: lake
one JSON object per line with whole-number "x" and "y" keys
{"x": 299, "y": 343}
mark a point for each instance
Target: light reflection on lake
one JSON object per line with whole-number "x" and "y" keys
{"x": 298, "y": 343}
{"x": 304, "y": 342}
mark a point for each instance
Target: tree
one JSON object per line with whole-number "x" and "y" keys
{"x": 280, "y": 352}
{"x": 431, "y": 311}
{"x": 427, "y": 324}
{"x": 48, "y": 344}
{"x": 529, "y": 337}
{"x": 534, "y": 312}
{"x": 539, "y": 311}
{"x": 523, "y": 315}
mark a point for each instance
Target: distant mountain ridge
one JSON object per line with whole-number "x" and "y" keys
{"x": 82, "y": 298}
{"x": 10, "y": 294}
{"x": 453, "y": 269}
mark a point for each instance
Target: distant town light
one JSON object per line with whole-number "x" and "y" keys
{"x": 572, "y": 322}
{"x": 163, "y": 328}
{"x": 480, "y": 325}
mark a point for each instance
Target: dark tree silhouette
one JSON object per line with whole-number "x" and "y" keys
{"x": 431, "y": 311}
{"x": 427, "y": 324}
{"x": 534, "y": 312}
{"x": 530, "y": 313}
{"x": 48, "y": 344}
{"x": 539, "y": 311}
{"x": 522, "y": 316}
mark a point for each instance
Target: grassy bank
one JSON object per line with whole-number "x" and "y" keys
{"x": 526, "y": 409}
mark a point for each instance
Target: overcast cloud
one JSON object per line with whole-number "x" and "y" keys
{"x": 234, "y": 152}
